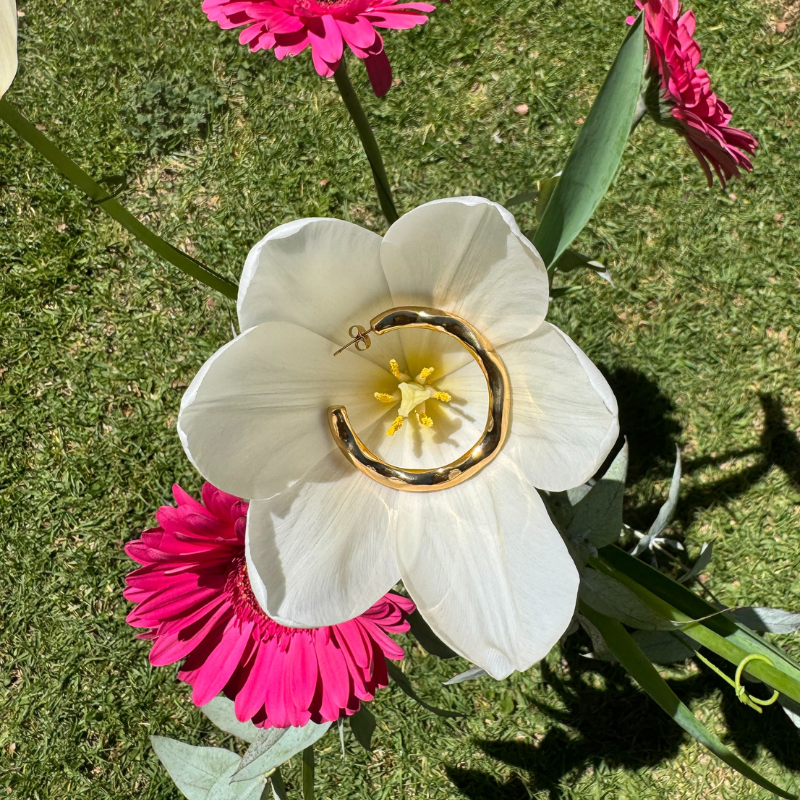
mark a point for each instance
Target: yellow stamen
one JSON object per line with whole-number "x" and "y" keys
{"x": 443, "y": 396}
{"x": 395, "y": 426}
{"x": 394, "y": 368}
{"x": 424, "y": 375}
{"x": 425, "y": 420}
{"x": 384, "y": 398}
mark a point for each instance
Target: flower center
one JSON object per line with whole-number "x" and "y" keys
{"x": 412, "y": 394}
{"x": 245, "y": 605}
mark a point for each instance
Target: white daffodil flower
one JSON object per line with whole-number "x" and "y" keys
{"x": 481, "y": 559}
{"x": 8, "y": 44}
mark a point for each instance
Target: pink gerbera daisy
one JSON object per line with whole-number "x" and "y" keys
{"x": 691, "y": 107}
{"x": 193, "y": 592}
{"x": 326, "y": 26}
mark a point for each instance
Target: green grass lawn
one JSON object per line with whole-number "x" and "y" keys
{"x": 98, "y": 339}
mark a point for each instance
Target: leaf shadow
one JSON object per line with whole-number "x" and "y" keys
{"x": 604, "y": 720}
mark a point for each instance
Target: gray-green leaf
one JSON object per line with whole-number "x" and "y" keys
{"x": 597, "y": 517}
{"x": 664, "y": 647}
{"x": 610, "y": 597}
{"x": 276, "y": 745}
{"x": 221, "y": 712}
{"x": 767, "y": 620}
{"x": 195, "y": 770}
{"x": 468, "y": 675}
{"x": 665, "y": 512}
{"x": 703, "y": 560}
{"x": 224, "y": 789}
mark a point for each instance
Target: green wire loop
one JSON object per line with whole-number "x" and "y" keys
{"x": 741, "y": 693}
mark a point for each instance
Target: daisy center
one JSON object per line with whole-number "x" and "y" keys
{"x": 412, "y": 394}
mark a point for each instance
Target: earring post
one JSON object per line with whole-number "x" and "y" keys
{"x": 360, "y": 338}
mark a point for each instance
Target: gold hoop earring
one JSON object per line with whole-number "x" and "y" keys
{"x": 480, "y": 454}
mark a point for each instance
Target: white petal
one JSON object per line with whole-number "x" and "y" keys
{"x": 320, "y": 553}
{"x": 8, "y": 44}
{"x": 467, "y": 256}
{"x": 457, "y": 425}
{"x": 487, "y": 568}
{"x": 564, "y": 414}
{"x": 254, "y": 419}
{"x": 323, "y": 274}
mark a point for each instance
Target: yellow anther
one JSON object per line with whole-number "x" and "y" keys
{"x": 384, "y": 398}
{"x": 425, "y": 420}
{"x": 395, "y": 426}
{"x": 424, "y": 375}
{"x": 394, "y": 368}
{"x": 443, "y": 396}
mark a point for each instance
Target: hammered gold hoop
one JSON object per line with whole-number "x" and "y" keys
{"x": 480, "y": 454}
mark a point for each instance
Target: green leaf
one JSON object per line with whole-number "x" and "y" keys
{"x": 597, "y": 517}
{"x": 720, "y": 634}
{"x": 665, "y": 512}
{"x": 664, "y": 647}
{"x": 571, "y": 259}
{"x": 405, "y": 685}
{"x": 546, "y": 189}
{"x": 221, "y": 712}
{"x": 597, "y": 153}
{"x": 308, "y": 773}
{"x": 611, "y": 598}
{"x": 195, "y": 770}
{"x": 522, "y": 197}
{"x": 278, "y": 786}
{"x": 429, "y": 641}
{"x": 636, "y": 663}
{"x": 362, "y": 723}
{"x": 276, "y": 745}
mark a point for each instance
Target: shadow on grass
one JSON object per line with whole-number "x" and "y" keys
{"x": 647, "y": 418}
{"x": 605, "y": 720}
{"x": 778, "y": 447}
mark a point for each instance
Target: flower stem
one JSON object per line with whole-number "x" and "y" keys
{"x": 308, "y": 773}
{"x": 368, "y": 140}
{"x": 99, "y": 196}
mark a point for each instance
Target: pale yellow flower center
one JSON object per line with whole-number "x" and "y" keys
{"x": 412, "y": 394}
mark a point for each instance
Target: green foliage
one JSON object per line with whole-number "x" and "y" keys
{"x": 698, "y": 338}
{"x": 595, "y": 158}
{"x": 634, "y": 660}
{"x": 273, "y": 746}
{"x": 363, "y": 723}
{"x": 221, "y": 712}
{"x": 195, "y": 770}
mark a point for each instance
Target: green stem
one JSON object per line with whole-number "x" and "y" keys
{"x": 731, "y": 651}
{"x": 351, "y": 101}
{"x": 308, "y": 773}
{"x": 73, "y": 173}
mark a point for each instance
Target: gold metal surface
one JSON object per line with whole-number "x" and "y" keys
{"x": 480, "y": 454}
